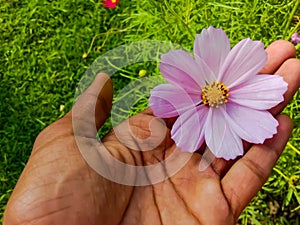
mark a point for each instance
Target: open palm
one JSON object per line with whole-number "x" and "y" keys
{"x": 58, "y": 186}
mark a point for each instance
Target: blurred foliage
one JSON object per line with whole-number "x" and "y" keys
{"x": 46, "y": 47}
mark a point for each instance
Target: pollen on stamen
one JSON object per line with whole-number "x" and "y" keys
{"x": 215, "y": 94}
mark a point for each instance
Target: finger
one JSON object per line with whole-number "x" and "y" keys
{"x": 93, "y": 107}
{"x": 290, "y": 71}
{"x": 248, "y": 174}
{"x": 281, "y": 61}
{"x": 278, "y": 52}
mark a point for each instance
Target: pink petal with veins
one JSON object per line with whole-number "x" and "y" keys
{"x": 243, "y": 62}
{"x": 262, "y": 92}
{"x": 188, "y": 130}
{"x": 251, "y": 125}
{"x": 167, "y": 100}
{"x": 179, "y": 68}
{"x": 213, "y": 46}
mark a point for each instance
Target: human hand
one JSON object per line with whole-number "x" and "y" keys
{"x": 57, "y": 185}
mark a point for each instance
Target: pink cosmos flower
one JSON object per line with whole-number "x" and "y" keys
{"x": 218, "y": 96}
{"x": 110, "y": 3}
{"x": 295, "y": 38}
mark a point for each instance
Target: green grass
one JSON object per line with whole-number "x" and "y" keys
{"x": 41, "y": 48}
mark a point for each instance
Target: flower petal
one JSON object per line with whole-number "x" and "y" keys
{"x": 251, "y": 125}
{"x": 212, "y": 45}
{"x": 262, "y": 92}
{"x": 188, "y": 130}
{"x": 167, "y": 100}
{"x": 219, "y": 137}
{"x": 179, "y": 68}
{"x": 243, "y": 62}
{"x": 215, "y": 129}
{"x": 205, "y": 71}
{"x": 232, "y": 146}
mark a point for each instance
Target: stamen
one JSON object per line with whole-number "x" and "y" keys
{"x": 215, "y": 94}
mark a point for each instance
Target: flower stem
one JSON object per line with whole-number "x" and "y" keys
{"x": 293, "y": 148}
{"x": 179, "y": 18}
{"x": 280, "y": 173}
{"x": 290, "y": 19}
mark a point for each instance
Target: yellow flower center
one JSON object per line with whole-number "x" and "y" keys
{"x": 215, "y": 94}
{"x": 113, "y": 1}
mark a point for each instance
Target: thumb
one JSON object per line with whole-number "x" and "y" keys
{"x": 92, "y": 107}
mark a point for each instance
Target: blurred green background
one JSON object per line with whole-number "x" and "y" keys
{"x": 46, "y": 46}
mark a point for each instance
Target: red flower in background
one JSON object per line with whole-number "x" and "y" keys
{"x": 110, "y": 3}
